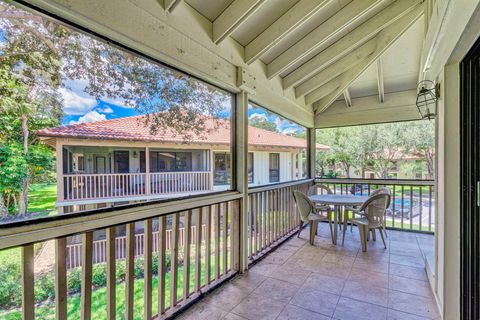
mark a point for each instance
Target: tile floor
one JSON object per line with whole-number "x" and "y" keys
{"x": 298, "y": 281}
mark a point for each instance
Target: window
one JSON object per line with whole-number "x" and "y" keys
{"x": 271, "y": 139}
{"x": 127, "y": 100}
{"x": 250, "y": 167}
{"x": 170, "y": 161}
{"x": 81, "y": 163}
{"x": 274, "y": 167}
{"x": 222, "y": 169}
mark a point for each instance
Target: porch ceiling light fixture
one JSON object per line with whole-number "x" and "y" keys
{"x": 427, "y": 96}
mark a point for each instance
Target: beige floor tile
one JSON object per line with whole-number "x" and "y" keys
{"x": 370, "y": 278}
{"x": 290, "y": 272}
{"x": 203, "y": 311}
{"x": 341, "y": 259}
{"x": 332, "y": 269}
{"x": 325, "y": 283}
{"x": 366, "y": 293}
{"x": 369, "y": 265}
{"x": 418, "y": 287}
{"x": 248, "y": 281}
{"x": 348, "y": 309}
{"x": 407, "y": 261}
{"x": 226, "y": 297}
{"x": 259, "y": 308}
{"x": 316, "y": 301}
{"x": 398, "y": 315}
{"x": 408, "y": 272}
{"x": 405, "y": 302}
{"x": 277, "y": 290}
{"x": 291, "y": 312}
{"x": 263, "y": 268}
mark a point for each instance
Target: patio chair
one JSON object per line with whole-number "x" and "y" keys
{"x": 308, "y": 214}
{"x": 372, "y": 217}
{"x": 354, "y": 209}
{"x": 320, "y": 189}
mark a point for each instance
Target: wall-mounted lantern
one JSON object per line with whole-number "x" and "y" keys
{"x": 427, "y": 96}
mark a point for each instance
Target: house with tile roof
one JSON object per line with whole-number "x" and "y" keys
{"x": 122, "y": 161}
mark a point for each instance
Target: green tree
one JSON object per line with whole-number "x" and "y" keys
{"x": 262, "y": 123}
{"x": 38, "y": 57}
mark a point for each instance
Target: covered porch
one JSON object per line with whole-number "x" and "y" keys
{"x": 234, "y": 254}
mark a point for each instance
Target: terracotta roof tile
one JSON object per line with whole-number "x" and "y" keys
{"x": 134, "y": 129}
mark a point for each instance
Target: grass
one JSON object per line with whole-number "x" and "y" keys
{"x": 42, "y": 197}
{"x": 46, "y": 311}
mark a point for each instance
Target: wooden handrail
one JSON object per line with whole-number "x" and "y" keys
{"x": 404, "y": 182}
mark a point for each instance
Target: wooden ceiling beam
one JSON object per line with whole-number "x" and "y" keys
{"x": 232, "y": 17}
{"x": 380, "y": 84}
{"x": 169, "y": 5}
{"x": 319, "y": 38}
{"x": 348, "y": 98}
{"x": 321, "y": 99}
{"x": 348, "y": 43}
{"x": 334, "y": 70}
{"x": 290, "y": 21}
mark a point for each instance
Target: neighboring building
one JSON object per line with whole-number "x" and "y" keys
{"x": 105, "y": 162}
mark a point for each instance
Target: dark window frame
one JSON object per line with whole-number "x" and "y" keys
{"x": 275, "y": 172}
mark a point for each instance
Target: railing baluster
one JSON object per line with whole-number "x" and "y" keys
{"x": 86, "y": 290}
{"x": 198, "y": 247}
{"x": 411, "y": 208}
{"x": 61, "y": 278}
{"x": 225, "y": 235}
{"x": 129, "y": 271}
{"x": 162, "y": 226}
{"x": 174, "y": 261}
{"x": 147, "y": 264}
{"x": 208, "y": 244}
{"x": 186, "y": 254}
{"x": 111, "y": 270}
{"x": 429, "y": 208}
{"x": 217, "y": 241}
{"x": 28, "y": 279}
{"x": 421, "y": 206}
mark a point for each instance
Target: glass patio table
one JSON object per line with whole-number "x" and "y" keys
{"x": 338, "y": 201}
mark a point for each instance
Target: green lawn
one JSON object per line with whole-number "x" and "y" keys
{"x": 99, "y": 298}
{"x": 42, "y": 197}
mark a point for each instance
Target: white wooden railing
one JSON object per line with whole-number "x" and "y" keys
{"x": 177, "y": 182}
{"x": 272, "y": 216}
{"x": 74, "y": 251}
{"x": 121, "y": 185}
{"x": 190, "y": 263}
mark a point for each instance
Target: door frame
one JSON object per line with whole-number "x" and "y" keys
{"x": 469, "y": 175}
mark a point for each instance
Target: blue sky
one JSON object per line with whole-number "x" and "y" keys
{"x": 79, "y": 107}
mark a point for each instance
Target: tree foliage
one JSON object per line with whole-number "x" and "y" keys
{"x": 38, "y": 58}
{"x": 377, "y": 148}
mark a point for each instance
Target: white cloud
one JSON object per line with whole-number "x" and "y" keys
{"x": 258, "y": 115}
{"x": 91, "y": 116}
{"x": 75, "y": 104}
{"x": 290, "y": 130}
{"x": 118, "y": 102}
{"x": 107, "y": 109}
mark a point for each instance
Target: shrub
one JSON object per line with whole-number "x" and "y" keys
{"x": 10, "y": 280}
{"x": 45, "y": 287}
{"x": 74, "y": 280}
{"x": 99, "y": 275}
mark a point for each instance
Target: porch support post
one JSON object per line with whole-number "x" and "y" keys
{"x": 311, "y": 152}
{"x": 147, "y": 171}
{"x": 241, "y": 174}
{"x": 59, "y": 164}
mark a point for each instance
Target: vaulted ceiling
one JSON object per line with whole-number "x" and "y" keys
{"x": 325, "y": 50}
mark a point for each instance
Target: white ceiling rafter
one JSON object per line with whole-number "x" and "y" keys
{"x": 349, "y": 42}
{"x": 322, "y": 97}
{"x": 348, "y": 98}
{"x": 293, "y": 19}
{"x": 232, "y": 17}
{"x": 334, "y": 70}
{"x": 339, "y": 23}
{"x": 380, "y": 84}
{"x": 169, "y": 5}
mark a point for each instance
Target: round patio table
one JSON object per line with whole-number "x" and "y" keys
{"x": 338, "y": 201}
